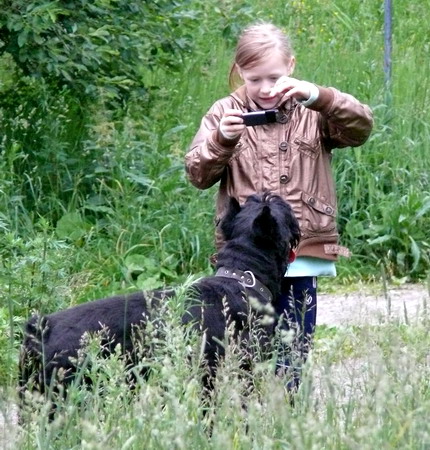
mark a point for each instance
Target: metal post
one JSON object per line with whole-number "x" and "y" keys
{"x": 388, "y": 14}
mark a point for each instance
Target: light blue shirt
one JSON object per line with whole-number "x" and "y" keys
{"x": 307, "y": 266}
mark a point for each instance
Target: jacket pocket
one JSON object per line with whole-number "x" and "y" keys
{"x": 309, "y": 147}
{"x": 318, "y": 215}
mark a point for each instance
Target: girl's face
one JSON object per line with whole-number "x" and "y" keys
{"x": 260, "y": 79}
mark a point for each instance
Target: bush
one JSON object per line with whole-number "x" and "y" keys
{"x": 95, "y": 45}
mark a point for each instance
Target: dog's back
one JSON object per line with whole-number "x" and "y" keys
{"x": 51, "y": 343}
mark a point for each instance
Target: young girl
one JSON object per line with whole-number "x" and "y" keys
{"x": 290, "y": 157}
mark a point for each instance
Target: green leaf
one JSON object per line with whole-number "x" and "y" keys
{"x": 169, "y": 274}
{"x": 99, "y": 208}
{"x": 148, "y": 283}
{"x": 140, "y": 263}
{"x": 424, "y": 209}
{"x": 22, "y": 38}
{"x": 379, "y": 240}
{"x": 416, "y": 254}
{"x": 72, "y": 226}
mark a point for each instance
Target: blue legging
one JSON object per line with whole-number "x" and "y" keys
{"x": 297, "y": 311}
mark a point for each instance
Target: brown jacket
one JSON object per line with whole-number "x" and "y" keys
{"x": 291, "y": 158}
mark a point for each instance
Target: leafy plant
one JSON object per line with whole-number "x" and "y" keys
{"x": 94, "y": 45}
{"x": 402, "y": 230}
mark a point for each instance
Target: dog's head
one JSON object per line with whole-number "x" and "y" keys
{"x": 266, "y": 220}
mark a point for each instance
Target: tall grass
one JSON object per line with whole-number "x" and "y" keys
{"x": 363, "y": 388}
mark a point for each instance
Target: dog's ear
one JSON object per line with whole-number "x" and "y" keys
{"x": 228, "y": 220}
{"x": 265, "y": 227}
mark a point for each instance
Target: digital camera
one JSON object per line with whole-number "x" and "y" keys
{"x": 260, "y": 117}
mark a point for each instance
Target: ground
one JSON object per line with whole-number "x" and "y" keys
{"x": 368, "y": 305}
{"x": 364, "y": 305}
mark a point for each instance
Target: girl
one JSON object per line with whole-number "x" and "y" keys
{"x": 290, "y": 157}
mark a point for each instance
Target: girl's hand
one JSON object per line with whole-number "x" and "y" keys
{"x": 291, "y": 87}
{"x": 231, "y": 124}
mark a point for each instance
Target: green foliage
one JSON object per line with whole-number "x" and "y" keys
{"x": 67, "y": 62}
{"x": 403, "y": 231}
{"x": 94, "y": 45}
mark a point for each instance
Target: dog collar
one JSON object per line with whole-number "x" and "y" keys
{"x": 247, "y": 280}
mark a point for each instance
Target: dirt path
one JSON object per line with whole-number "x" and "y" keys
{"x": 8, "y": 421}
{"x": 373, "y": 305}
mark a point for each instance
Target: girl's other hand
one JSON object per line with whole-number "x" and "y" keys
{"x": 231, "y": 124}
{"x": 291, "y": 87}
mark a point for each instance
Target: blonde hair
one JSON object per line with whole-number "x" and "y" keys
{"x": 254, "y": 44}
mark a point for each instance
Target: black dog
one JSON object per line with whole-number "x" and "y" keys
{"x": 259, "y": 238}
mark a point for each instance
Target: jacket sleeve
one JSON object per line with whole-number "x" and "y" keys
{"x": 346, "y": 121}
{"x": 209, "y": 152}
